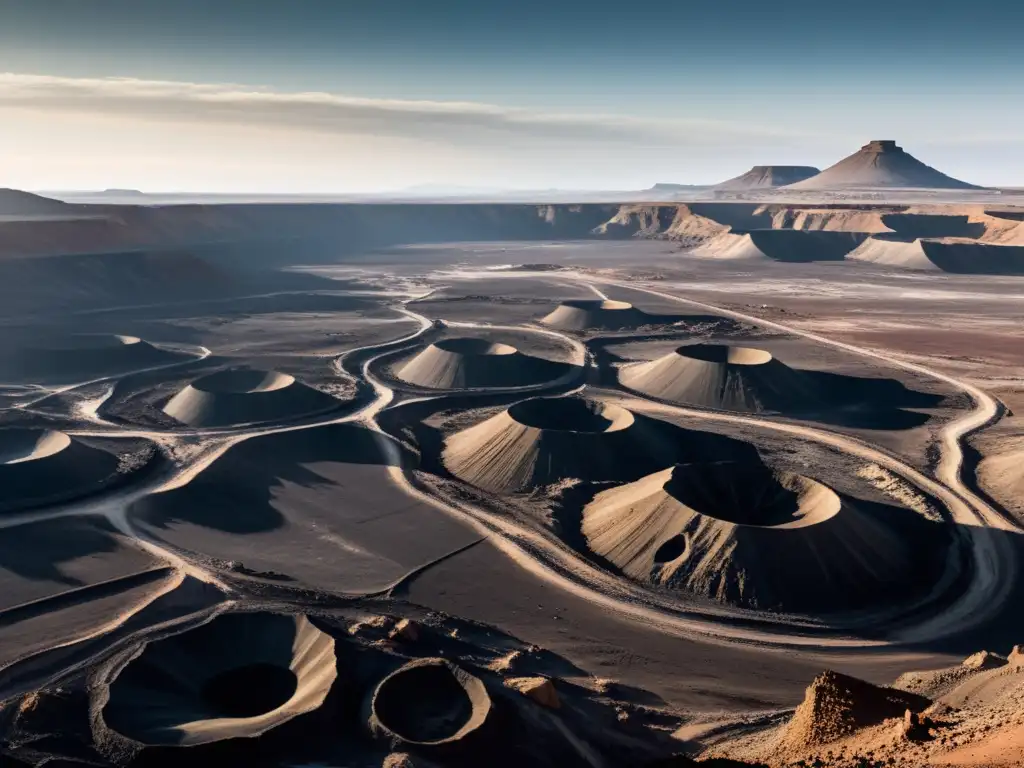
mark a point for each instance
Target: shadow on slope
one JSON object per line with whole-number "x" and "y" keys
{"x": 37, "y": 550}
{"x": 236, "y": 493}
{"x": 745, "y": 379}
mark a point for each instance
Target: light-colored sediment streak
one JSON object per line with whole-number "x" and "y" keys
{"x": 174, "y": 580}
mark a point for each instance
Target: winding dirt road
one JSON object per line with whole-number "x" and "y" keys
{"x": 547, "y": 557}
{"x": 993, "y": 558}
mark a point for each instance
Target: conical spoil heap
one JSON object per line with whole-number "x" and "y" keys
{"x": 755, "y": 537}
{"x": 466, "y": 363}
{"x": 600, "y": 314}
{"x": 722, "y": 377}
{"x": 43, "y": 465}
{"x": 245, "y": 396}
{"x": 545, "y": 440}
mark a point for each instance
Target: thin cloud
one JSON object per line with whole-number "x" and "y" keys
{"x": 470, "y": 123}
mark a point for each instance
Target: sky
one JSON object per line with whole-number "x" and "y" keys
{"x": 342, "y": 96}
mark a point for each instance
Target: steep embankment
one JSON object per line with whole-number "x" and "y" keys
{"x": 957, "y": 255}
{"x": 688, "y": 224}
{"x": 157, "y": 253}
{"x": 309, "y": 228}
{"x": 607, "y": 315}
{"x": 781, "y": 245}
{"x": 877, "y": 220}
{"x": 541, "y": 441}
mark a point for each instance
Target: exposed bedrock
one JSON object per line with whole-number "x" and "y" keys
{"x": 955, "y": 255}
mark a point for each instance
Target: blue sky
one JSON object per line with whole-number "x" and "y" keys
{"x": 335, "y": 95}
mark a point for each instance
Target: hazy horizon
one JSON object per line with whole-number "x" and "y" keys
{"x": 319, "y": 97}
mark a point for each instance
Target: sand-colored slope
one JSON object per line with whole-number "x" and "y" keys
{"x": 881, "y": 164}
{"x": 968, "y": 716}
{"x": 641, "y": 220}
{"x": 603, "y": 314}
{"x": 769, "y": 176}
{"x": 238, "y": 676}
{"x": 43, "y": 465}
{"x": 838, "y": 705}
{"x": 1003, "y": 228}
{"x": 427, "y": 703}
{"x": 690, "y": 224}
{"x": 723, "y": 377}
{"x": 245, "y": 396}
{"x": 788, "y": 245}
{"x": 956, "y": 255}
{"x": 894, "y": 252}
{"x": 878, "y": 220}
{"x": 542, "y": 441}
{"x": 460, "y": 363}
{"x": 1001, "y": 471}
{"x": 747, "y": 535}
{"x": 828, "y": 219}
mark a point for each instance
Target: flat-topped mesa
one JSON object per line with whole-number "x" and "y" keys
{"x": 881, "y": 145}
{"x": 769, "y": 176}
